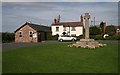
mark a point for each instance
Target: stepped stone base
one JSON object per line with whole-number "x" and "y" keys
{"x": 87, "y": 43}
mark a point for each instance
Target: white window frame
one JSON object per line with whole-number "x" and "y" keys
{"x": 20, "y": 34}
{"x": 73, "y": 28}
{"x": 30, "y": 34}
{"x": 57, "y": 30}
{"x": 64, "y": 28}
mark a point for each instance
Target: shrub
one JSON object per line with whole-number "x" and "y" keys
{"x": 8, "y": 37}
{"x": 80, "y": 37}
{"x": 94, "y": 30}
{"x": 114, "y": 37}
{"x": 50, "y": 37}
{"x": 97, "y": 37}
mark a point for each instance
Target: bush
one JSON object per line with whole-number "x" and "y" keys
{"x": 94, "y": 30}
{"x": 110, "y": 30}
{"x": 97, "y": 37}
{"x": 80, "y": 37}
{"x": 50, "y": 37}
{"x": 114, "y": 37}
{"x": 0, "y": 37}
{"x": 55, "y": 37}
{"x": 7, "y": 37}
{"x": 100, "y": 37}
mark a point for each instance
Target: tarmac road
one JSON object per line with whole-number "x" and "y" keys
{"x": 9, "y": 46}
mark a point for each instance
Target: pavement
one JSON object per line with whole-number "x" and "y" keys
{"x": 10, "y": 46}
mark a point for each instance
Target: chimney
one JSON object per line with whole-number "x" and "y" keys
{"x": 55, "y": 20}
{"x": 104, "y": 27}
{"x": 81, "y": 18}
{"x": 59, "y": 19}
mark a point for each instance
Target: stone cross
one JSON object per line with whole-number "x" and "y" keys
{"x": 86, "y": 17}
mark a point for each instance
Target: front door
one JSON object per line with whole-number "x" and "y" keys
{"x": 39, "y": 37}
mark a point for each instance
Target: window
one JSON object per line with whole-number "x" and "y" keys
{"x": 20, "y": 34}
{"x": 31, "y": 34}
{"x": 73, "y": 35}
{"x": 57, "y": 28}
{"x": 73, "y": 29}
{"x": 64, "y": 28}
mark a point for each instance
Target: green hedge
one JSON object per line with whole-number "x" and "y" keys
{"x": 100, "y": 37}
{"x": 8, "y": 37}
{"x": 114, "y": 37}
{"x": 50, "y": 37}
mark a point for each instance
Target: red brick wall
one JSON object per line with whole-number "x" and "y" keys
{"x": 25, "y": 38}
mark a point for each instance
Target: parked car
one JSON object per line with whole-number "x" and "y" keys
{"x": 66, "y": 38}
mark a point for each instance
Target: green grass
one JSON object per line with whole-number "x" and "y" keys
{"x": 61, "y": 59}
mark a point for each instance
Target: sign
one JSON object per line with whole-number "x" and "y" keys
{"x": 34, "y": 35}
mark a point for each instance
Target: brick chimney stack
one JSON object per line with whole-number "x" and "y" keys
{"x": 59, "y": 19}
{"x": 104, "y": 27}
{"x": 55, "y": 20}
{"x": 81, "y": 18}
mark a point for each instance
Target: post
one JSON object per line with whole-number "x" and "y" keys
{"x": 94, "y": 21}
{"x": 86, "y": 17}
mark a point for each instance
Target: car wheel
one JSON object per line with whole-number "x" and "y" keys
{"x": 60, "y": 40}
{"x": 73, "y": 40}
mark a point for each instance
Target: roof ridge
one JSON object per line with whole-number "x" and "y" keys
{"x": 36, "y": 27}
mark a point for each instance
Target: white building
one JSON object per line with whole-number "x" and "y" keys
{"x": 70, "y": 28}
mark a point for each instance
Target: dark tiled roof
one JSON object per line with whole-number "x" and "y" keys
{"x": 66, "y": 24}
{"x": 38, "y": 28}
{"x": 117, "y": 27}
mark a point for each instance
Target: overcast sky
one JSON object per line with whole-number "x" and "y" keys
{"x": 14, "y": 14}
{"x": 60, "y": 0}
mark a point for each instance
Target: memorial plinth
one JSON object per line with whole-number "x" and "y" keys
{"x": 87, "y": 43}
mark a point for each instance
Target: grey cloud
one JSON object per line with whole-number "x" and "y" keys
{"x": 16, "y": 13}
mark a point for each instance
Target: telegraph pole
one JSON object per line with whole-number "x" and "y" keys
{"x": 94, "y": 21}
{"x": 91, "y": 23}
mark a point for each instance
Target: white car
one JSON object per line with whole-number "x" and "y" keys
{"x": 66, "y": 37}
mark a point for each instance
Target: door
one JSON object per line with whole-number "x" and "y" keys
{"x": 39, "y": 37}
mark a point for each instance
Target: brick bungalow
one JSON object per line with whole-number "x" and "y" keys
{"x": 29, "y": 32}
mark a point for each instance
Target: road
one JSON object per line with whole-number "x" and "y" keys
{"x": 9, "y": 46}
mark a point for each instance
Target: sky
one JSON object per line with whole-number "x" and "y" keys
{"x": 60, "y": 0}
{"x": 16, "y": 12}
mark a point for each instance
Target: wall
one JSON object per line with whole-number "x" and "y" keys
{"x": 79, "y": 30}
{"x": 58, "y": 32}
{"x": 25, "y": 30}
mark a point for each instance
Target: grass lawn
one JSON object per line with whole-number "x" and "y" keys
{"x": 61, "y": 59}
